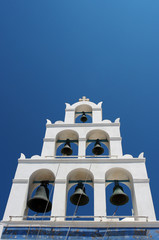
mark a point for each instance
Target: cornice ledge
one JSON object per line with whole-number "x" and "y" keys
{"x": 92, "y": 160}
{"x": 48, "y": 125}
{"x": 81, "y": 139}
{"x": 82, "y": 124}
{"x": 84, "y": 224}
{"x": 115, "y": 138}
{"x": 96, "y": 108}
{"x": 15, "y": 180}
{"x": 147, "y": 180}
{"x": 131, "y": 160}
{"x": 69, "y": 110}
{"x": 60, "y": 181}
{"x": 48, "y": 139}
{"x": 99, "y": 181}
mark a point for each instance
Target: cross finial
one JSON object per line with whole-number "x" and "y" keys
{"x": 83, "y": 99}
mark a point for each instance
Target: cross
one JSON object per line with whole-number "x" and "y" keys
{"x": 83, "y": 99}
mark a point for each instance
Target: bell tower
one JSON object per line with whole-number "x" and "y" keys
{"x": 82, "y": 150}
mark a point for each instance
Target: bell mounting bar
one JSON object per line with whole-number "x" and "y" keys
{"x": 117, "y": 180}
{"x": 85, "y": 181}
{"x": 76, "y": 141}
{"x": 63, "y": 141}
{"x": 82, "y": 112}
{"x": 47, "y": 181}
{"x": 94, "y": 140}
{"x": 90, "y": 181}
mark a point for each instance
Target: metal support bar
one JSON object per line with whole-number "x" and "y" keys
{"x": 63, "y": 141}
{"x": 76, "y": 141}
{"x": 85, "y": 181}
{"x": 94, "y": 140}
{"x": 43, "y": 181}
{"x": 82, "y": 112}
{"x": 77, "y": 181}
{"x": 117, "y": 180}
{"x": 90, "y": 181}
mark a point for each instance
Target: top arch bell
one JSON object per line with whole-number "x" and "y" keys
{"x": 83, "y": 118}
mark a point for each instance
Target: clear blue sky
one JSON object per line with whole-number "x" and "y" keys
{"x": 52, "y": 52}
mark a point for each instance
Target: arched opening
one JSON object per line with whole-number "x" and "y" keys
{"x": 80, "y": 198}
{"x": 40, "y": 195}
{"x": 121, "y": 210}
{"x": 83, "y": 114}
{"x": 119, "y": 193}
{"x": 67, "y": 143}
{"x": 97, "y": 143}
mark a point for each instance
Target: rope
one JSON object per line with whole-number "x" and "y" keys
{"x": 77, "y": 203}
{"x": 108, "y": 226}
{"x": 48, "y": 201}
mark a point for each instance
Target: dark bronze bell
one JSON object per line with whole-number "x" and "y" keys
{"x": 40, "y": 202}
{"x": 79, "y": 197}
{"x": 118, "y": 197}
{"x": 67, "y": 150}
{"x": 97, "y": 150}
{"x": 83, "y": 118}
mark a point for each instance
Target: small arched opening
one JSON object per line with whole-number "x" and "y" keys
{"x": 97, "y": 143}
{"x": 83, "y": 114}
{"x": 67, "y": 143}
{"x": 40, "y": 195}
{"x": 80, "y": 195}
{"x": 119, "y": 193}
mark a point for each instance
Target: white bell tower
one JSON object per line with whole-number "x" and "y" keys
{"x": 64, "y": 171}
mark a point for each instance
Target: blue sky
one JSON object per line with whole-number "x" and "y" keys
{"x": 52, "y": 52}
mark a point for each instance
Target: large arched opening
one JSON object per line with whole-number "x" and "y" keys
{"x": 80, "y": 204}
{"x": 119, "y": 192}
{"x": 83, "y": 114}
{"x": 67, "y": 143}
{"x": 40, "y": 195}
{"x": 97, "y": 143}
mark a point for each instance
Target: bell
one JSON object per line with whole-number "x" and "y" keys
{"x": 67, "y": 150}
{"x": 97, "y": 150}
{"x": 83, "y": 118}
{"x": 79, "y": 197}
{"x": 118, "y": 197}
{"x": 40, "y": 202}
